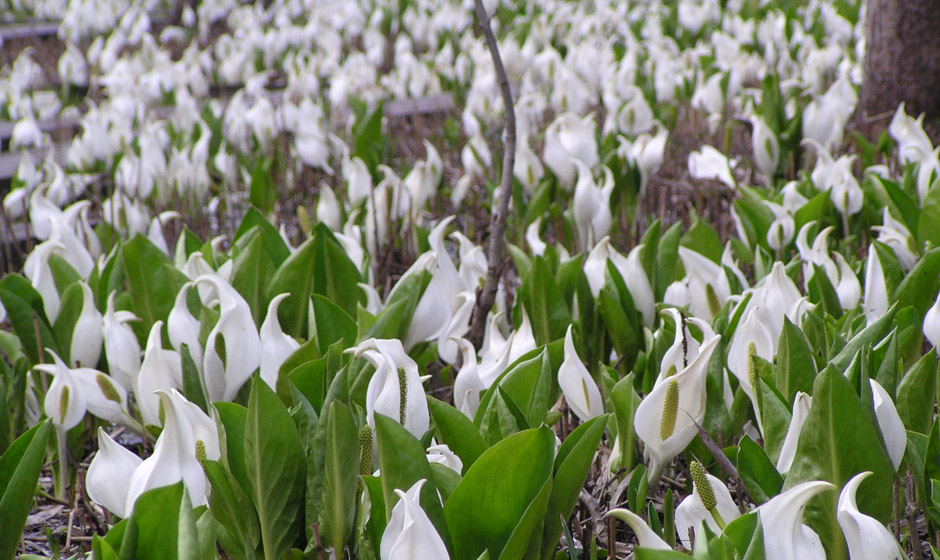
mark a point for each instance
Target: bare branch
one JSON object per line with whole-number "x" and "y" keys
{"x": 487, "y": 295}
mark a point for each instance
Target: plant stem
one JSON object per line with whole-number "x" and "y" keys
{"x": 487, "y": 295}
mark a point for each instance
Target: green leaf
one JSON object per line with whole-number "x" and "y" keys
{"x": 152, "y": 280}
{"x": 485, "y": 508}
{"x": 702, "y": 239}
{"x": 403, "y": 461}
{"x": 667, "y": 259}
{"x": 545, "y": 303}
{"x": 571, "y": 468}
{"x": 839, "y": 440}
{"x": 295, "y": 276}
{"x": 759, "y": 475}
{"x": 192, "y": 381}
{"x": 275, "y": 465}
{"x": 19, "y": 472}
{"x": 340, "y": 477}
{"x": 25, "y": 313}
{"x": 870, "y": 335}
{"x": 917, "y": 393}
{"x": 157, "y": 530}
{"x": 457, "y": 431}
{"x": 262, "y": 192}
{"x": 274, "y": 245}
{"x": 928, "y": 229}
{"x": 919, "y": 288}
{"x": 232, "y": 507}
{"x": 64, "y": 326}
{"x": 624, "y": 400}
{"x": 330, "y": 323}
{"x": 796, "y": 368}
{"x": 334, "y": 275}
{"x": 252, "y": 269}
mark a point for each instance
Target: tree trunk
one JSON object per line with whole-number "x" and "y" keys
{"x": 902, "y": 60}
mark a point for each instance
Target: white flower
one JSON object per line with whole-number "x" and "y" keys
{"x": 442, "y": 454}
{"x": 86, "y": 336}
{"x": 866, "y": 536}
{"x": 109, "y": 474}
{"x": 801, "y": 406}
{"x": 410, "y": 533}
{"x": 577, "y": 385}
{"x": 527, "y": 167}
{"x": 766, "y": 149}
{"x": 395, "y": 373}
{"x": 183, "y": 328}
{"x": 710, "y": 164}
{"x": 644, "y": 535}
{"x": 667, "y": 430}
{"x": 568, "y": 138}
{"x": 892, "y": 428}
{"x": 785, "y": 535}
{"x": 275, "y": 345}
{"x": 120, "y": 344}
{"x": 468, "y": 385}
{"x": 188, "y": 437}
{"x": 752, "y": 330}
{"x": 591, "y": 205}
{"x": 875, "y": 303}
{"x": 932, "y": 323}
{"x": 65, "y": 401}
{"x": 780, "y": 232}
{"x": 894, "y": 234}
{"x": 161, "y": 370}
{"x": 691, "y": 513}
{"x": 233, "y": 348}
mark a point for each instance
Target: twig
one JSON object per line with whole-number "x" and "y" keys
{"x": 316, "y": 539}
{"x": 487, "y": 295}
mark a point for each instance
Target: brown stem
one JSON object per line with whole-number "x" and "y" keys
{"x": 487, "y": 295}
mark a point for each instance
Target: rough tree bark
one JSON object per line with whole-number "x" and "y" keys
{"x": 902, "y": 59}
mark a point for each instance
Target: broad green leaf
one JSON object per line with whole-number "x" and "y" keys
{"x": 919, "y": 287}
{"x": 624, "y": 400}
{"x": 192, "y": 381}
{"x": 758, "y": 473}
{"x": 870, "y": 335}
{"x": 232, "y": 507}
{"x": 545, "y": 304}
{"x": 667, "y": 259}
{"x": 155, "y": 529}
{"x": 702, "y": 239}
{"x": 796, "y": 368}
{"x": 252, "y": 269}
{"x": 917, "y": 393}
{"x": 64, "y": 325}
{"x": 274, "y": 244}
{"x": 152, "y": 280}
{"x": 403, "y": 461}
{"x": 275, "y": 465}
{"x": 928, "y": 229}
{"x": 839, "y": 440}
{"x": 20, "y": 466}
{"x": 340, "y": 477}
{"x": 457, "y": 431}
{"x": 329, "y": 323}
{"x": 484, "y": 509}
{"x": 25, "y": 313}
{"x": 334, "y": 275}
{"x": 529, "y": 385}
{"x": 571, "y": 468}
{"x": 295, "y": 275}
